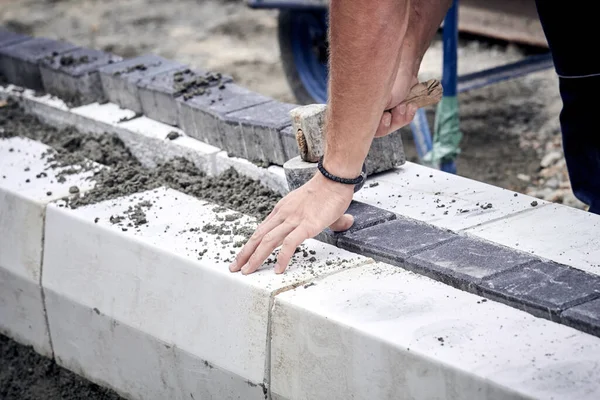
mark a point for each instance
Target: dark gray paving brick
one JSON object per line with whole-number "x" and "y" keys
{"x": 290, "y": 146}
{"x": 365, "y": 216}
{"x": 259, "y": 127}
{"x": 19, "y": 63}
{"x": 158, "y": 93}
{"x": 395, "y": 241}
{"x": 543, "y": 288}
{"x": 584, "y": 317}
{"x": 8, "y": 38}
{"x": 385, "y": 153}
{"x": 120, "y": 80}
{"x": 73, "y": 76}
{"x": 202, "y": 116}
{"x": 466, "y": 261}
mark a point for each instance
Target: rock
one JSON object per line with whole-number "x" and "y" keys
{"x": 552, "y": 183}
{"x": 523, "y": 177}
{"x": 550, "y": 159}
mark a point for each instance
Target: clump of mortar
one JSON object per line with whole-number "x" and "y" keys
{"x": 126, "y": 175}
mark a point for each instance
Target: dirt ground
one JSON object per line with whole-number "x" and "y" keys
{"x": 26, "y": 375}
{"x": 508, "y": 128}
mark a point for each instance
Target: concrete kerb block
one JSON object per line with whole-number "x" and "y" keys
{"x": 8, "y": 38}
{"x": 158, "y": 93}
{"x": 120, "y": 80}
{"x": 73, "y": 75}
{"x": 148, "y": 278}
{"x": 395, "y": 241}
{"x": 543, "y": 289}
{"x": 466, "y": 262}
{"x": 290, "y": 145}
{"x": 365, "y": 216}
{"x": 259, "y": 128}
{"x": 372, "y": 332}
{"x": 27, "y": 185}
{"x": 201, "y": 116}
{"x": 584, "y": 317}
{"x": 19, "y": 63}
{"x": 154, "y": 143}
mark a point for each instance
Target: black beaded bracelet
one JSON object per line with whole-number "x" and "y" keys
{"x": 358, "y": 181}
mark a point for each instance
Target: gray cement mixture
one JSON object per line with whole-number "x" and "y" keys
{"x": 125, "y": 175}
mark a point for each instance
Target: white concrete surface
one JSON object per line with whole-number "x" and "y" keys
{"x": 441, "y": 199}
{"x": 100, "y": 118}
{"x": 23, "y": 199}
{"x": 554, "y": 232}
{"x": 47, "y": 108}
{"x": 380, "y": 332}
{"x": 147, "y": 140}
{"x": 153, "y": 280}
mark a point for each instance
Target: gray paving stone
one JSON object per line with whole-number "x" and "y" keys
{"x": 365, "y": 216}
{"x": 584, "y": 317}
{"x": 290, "y": 146}
{"x": 385, "y": 153}
{"x": 19, "y": 62}
{"x": 8, "y": 38}
{"x": 73, "y": 76}
{"x": 259, "y": 128}
{"x": 394, "y": 241}
{"x": 158, "y": 93}
{"x": 466, "y": 261}
{"x": 543, "y": 288}
{"x": 120, "y": 80}
{"x": 201, "y": 116}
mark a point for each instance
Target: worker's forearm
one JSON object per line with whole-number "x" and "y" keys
{"x": 371, "y": 42}
{"x": 426, "y": 17}
{"x": 364, "y": 44}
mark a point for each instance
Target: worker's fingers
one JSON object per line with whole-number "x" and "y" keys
{"x": 402, "y": 115}
{"x": 343, "y": 223}
{"x": 269, "y": 242}
{"x": 293, "y": 240}
{"x": 265, "y": 227}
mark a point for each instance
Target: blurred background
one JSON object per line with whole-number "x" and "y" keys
{"x": 510, "y": 131}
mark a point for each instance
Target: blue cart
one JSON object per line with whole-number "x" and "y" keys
{"x": 302, "y": 29}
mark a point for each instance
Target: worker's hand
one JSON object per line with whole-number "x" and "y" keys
{"x": 398, "y": 114}
{"x": 302, "y": 214}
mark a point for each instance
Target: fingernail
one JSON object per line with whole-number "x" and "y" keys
{"x": 277, "y": 268}
{"x": 387, "y": 120}
{"x": 412, "y": 109}
{"x": 233, "y": 266}
{"x": 402, "y": 109}
{"x": 245, "y": 269}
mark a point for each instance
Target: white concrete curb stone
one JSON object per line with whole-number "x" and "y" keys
{"x": 22, "y": 209}
{"x": 138, "y": 311}
{"x": 381, "y": 332}
{"x": 441, "y": 199}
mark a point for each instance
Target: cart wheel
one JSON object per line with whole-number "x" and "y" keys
{"x": 303, "y": 47}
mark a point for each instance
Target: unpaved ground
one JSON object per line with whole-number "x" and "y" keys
{"x": 508, "y": 128}
{"x": 26, "y": 375}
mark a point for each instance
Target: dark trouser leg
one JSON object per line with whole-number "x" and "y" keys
{"x": 573, "y": 35}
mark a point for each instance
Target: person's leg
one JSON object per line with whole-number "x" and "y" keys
{"x": 573, "y": 34}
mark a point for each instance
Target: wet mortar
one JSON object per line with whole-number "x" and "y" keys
{"x": 126, "y": 175}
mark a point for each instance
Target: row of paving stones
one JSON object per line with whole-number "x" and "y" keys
{"x": 206, "y": 105}
{"x": 151, "y": 310}
{"x": 543, "y": 288}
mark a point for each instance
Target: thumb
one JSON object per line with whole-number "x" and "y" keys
{"x": 343, "y": 223}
